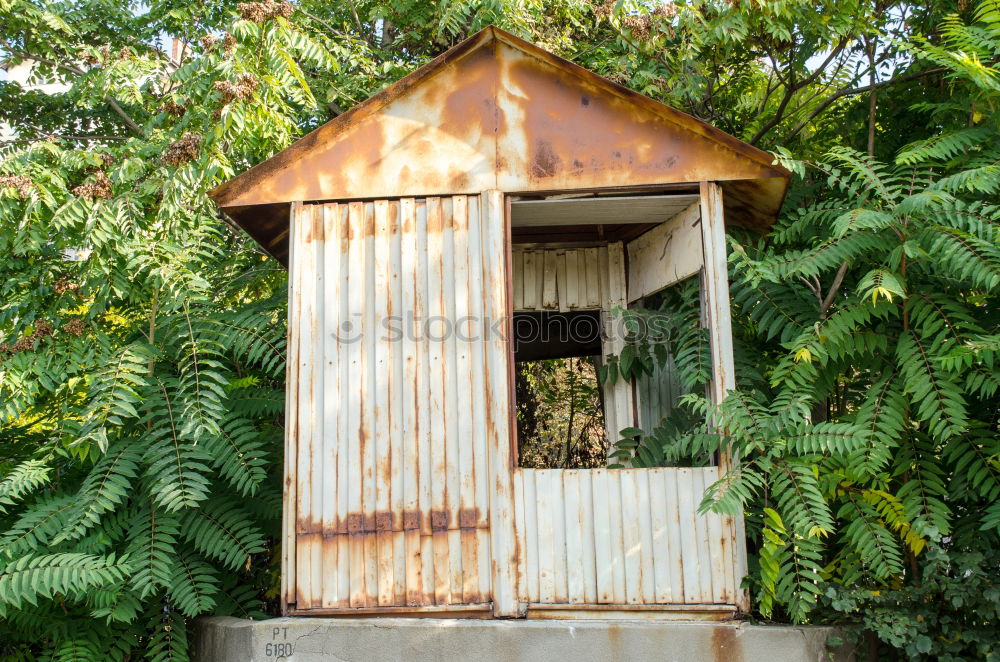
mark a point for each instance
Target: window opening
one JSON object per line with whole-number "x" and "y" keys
{"x": 560, "y": 404}
{"x": 578, "y": 258}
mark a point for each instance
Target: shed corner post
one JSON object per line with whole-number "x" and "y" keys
{"x": 718, "y": 319}
{"x": 289, "y": 488}
{"x": 503, "y": 538}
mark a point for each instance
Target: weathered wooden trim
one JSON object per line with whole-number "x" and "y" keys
{"x": 291, "y": 378}
{"x": 665, "y": 255}
{"x": 503, "y": 540}
{"x": 718, "y": 319}
{"x": 618, "y": 405}
{"x": 559, "y": 279}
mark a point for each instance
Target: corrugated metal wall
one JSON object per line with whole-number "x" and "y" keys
{"x": 396, "y": 407}
{"x": 657, "y": 394}
{"x": 622, "y": 537}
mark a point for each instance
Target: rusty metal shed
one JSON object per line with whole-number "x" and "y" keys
{"x": 496, "y": 179}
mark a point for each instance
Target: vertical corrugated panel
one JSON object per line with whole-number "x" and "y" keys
{"x": 577, "y": 570}
{"x": 620, "y": 537}
{"x": 308, "y": 548}
{"x": 478, "y": 309}
{"x": 392, "y": 413}
{"x": 560, "y": 279}
{"x": 686, "y": 505}
{"x": 409, "y": 501}
{"x": 332, "y": 268}
{"x": 351, "y": 336}
{"x": 423, "y": 404}
{"x": 572, "y": 288}
{"x": 499, "y": 410}
{"x": 380, "y": 384}
{"x": 338, "y": 225}
{"x": 657, "y": 393}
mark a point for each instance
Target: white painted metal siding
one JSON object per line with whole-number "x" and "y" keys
{"x": 400, "y": 489}
{"x": 665, "y": 255}
{"x": 622, "y": 537}
{"x": 392, "y": 478}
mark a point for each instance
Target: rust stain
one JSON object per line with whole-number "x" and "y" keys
{"x": 545, "y": 162}
{"x": 472, "y": 103}
{"x": 318, "y": 231}
{"x": 468, "y": 518}
{"x": 435, "y": 219}
{"x": 458, "y": 179}
{"x": 369, "y": 226}
{"x": 615, "y": 641}
{"x": 412, "y": 520}
{"x": 383, "y": 521}
{"x": 439, "y": 520}
{"x": 384, "y": 464}
{"x": 725, "y": 647}
{"x": 409, "y": 220}
{"x": 356, "y": 212}
{"x": 393, "y": 219}
{"x": 612, "y": 140}
{"x": 580, "y": 131}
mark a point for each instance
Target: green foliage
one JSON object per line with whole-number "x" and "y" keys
{"x": 867, "y": 433}
{"x": 73, "y": 575}
{"x": 143, "y": 339}
{"x": 559, "y": 414}
{"x": 950, "y": 614}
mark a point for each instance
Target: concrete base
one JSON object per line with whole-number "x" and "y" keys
{"x": 225, "y": 639}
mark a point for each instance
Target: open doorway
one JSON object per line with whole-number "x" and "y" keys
{"x": 578, "y": 263}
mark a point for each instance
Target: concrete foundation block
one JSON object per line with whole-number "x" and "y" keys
{"x": 225, "y": 639}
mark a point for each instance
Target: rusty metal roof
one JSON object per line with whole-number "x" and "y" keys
{"x": 496, "y": 112}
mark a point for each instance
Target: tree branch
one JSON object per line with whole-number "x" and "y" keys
{"x": 791, "y": 87}
{"x": 357, "y": 21}
{"x": 73, "y": 69}
{"x": 812, "y": 288}
{"x": 129, "y": 122}
{"x": 837, "y": 281}
{"x": 857, "y": 90}
{"x": 322, "y": 22}
{"x": 61, "y": 137}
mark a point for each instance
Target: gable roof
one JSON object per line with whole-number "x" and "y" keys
{"x": 496, "y": 112}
